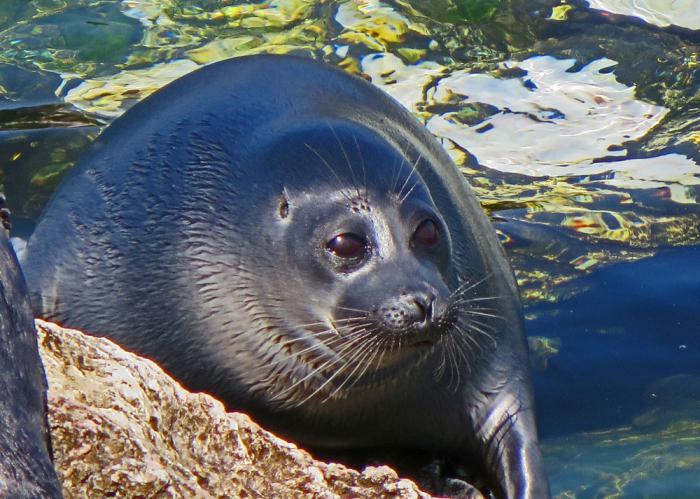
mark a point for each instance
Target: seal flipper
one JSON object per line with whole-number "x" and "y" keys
{"x": 507, "y": 437}
{"x": 26, "y": 470}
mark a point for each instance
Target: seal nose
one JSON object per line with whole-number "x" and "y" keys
{"x": 410, "y": 310}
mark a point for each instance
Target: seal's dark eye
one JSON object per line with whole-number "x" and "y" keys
{"x": 348, "y": 245}
{"x": 427, "y": 233}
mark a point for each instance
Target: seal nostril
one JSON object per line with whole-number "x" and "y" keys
{"x": 425, "y": 308}
{"x": 422, "y": 310}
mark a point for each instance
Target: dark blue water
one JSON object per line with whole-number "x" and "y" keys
{"x": 635, "y": 324}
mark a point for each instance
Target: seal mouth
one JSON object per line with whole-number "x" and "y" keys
{"x": 333, "y": 358}
{"x": 420, "y": 344}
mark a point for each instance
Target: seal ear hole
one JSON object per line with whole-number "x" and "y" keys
{"x": 283, "y": 207}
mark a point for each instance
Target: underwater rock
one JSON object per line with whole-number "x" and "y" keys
{"x": 671, "y": 398}
{"x": 121, "y": 427}
{"x": 541, "y": 349}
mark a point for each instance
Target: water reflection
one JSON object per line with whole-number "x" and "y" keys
{"x": 683, "y": 13}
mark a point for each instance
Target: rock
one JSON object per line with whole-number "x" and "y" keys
{"x": 26, "y": 471}
{"x": 121, "y": 427}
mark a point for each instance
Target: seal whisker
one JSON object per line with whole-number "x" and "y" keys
{"x": 327, "y": 332}
{"x": 488, "y": 327}
{"x": 287, "y": 355}
{"x": 331, "y": 331}
{"x": 454, "y": 368}
{"x": 480, "y": 298}
{"x": 335, "y": 341}
{"x": 439, "y": 371}
{"x": 471, "y": 311}
{"x": 334, "y": 321}
{"x": 467, "y": 339}
{"x": 479, "y": 307}
{"x": 329, "y": 363}
{"x": 340, "y": 358}
{"x": 477, "y": 329}
{"x": 405, "y": 196}
{"x": 408, "y": 178}
{"x": 395, "y": 175}
{"x": 398, "y": 177}
{"x": 467, "y": 286}
{"x": 352, "y": 310}
{"x": 332, "y": 341}
{"x": 368, "y": 348}
{"x": 461, "y": 345}
{"x": 468, "y": 309}
{"x": 463, "y": 348}
{"x": 347, "y": 158}
{"x": 362, "y": 163}
{"x": 404, "y": 150}
{"x": 376, "y": 347}
{"x": 347, "y": 197}
{"x": 381, "y": 357}
{"x": 414, "y": 169}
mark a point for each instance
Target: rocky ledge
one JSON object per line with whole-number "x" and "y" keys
{"x": 121, "y": 427}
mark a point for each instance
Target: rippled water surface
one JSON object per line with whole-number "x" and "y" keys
{"x": 577, "y": 122}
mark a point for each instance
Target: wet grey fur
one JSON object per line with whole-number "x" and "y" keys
{"x": 194, "y": 232}
{"x": 26, "y": 470}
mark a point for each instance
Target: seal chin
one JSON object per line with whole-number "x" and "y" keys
{"x": 423, "y": 342}
{"x": 343, "y": 360}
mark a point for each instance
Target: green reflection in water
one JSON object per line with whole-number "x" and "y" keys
{"x": 75, "y": 40}
{"x": 662, "y": 461}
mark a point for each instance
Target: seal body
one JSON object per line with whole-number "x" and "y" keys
{"x": 286, "y": 237}
{"x": 26, "y": 470}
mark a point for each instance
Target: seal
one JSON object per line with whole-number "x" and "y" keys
{"x": 283, "y": 235}
{"x": 26, "y": 470}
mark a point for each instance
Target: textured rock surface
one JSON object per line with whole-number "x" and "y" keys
{"x": 121, "y": 427}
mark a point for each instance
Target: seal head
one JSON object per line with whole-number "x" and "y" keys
{"x": 369, "y": 249}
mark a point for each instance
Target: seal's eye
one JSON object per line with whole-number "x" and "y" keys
{"x": 348, "y": 245}
{"x": 427, "y": 233}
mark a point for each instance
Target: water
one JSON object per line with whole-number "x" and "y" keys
{"x": 578, "y": 124}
